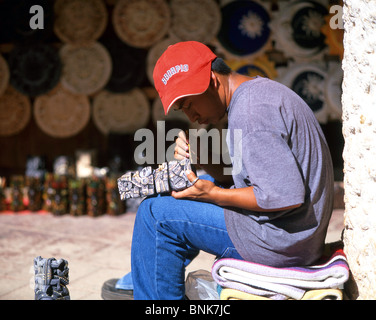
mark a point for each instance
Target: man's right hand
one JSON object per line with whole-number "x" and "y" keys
{"x": 181, "y": 150}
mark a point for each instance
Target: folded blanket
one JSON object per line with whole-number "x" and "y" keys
{"x": 322, "y": 294}
{"x": 232, "y": 294}
{"x": 281, "y": 283}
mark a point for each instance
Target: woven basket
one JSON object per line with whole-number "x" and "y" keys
{"x": 34, "y": 69}
{"x": 86, "y": 68}
{"x": 80, "y": 21}
{"x": 122, "y": 113}
{"x": 197, "y": 20}
{"x": 128, "y": 65}
{"x": 15, "y": 112}
{"x": 141, "y": 23}
{"x": 61, "y": 113}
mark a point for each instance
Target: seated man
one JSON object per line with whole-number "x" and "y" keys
{"x": 278, "y": 209}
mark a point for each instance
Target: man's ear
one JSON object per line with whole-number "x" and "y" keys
{"x": 214, "y": 80}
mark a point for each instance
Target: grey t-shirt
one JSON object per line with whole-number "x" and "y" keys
{"x": 277, "y": 146}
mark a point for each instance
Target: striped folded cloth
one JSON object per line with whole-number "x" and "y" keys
{"x": 320, "y": 294}
{"x": 281, "y": 283}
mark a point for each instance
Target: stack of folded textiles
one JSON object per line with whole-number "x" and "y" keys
{"x": 243, "y": 280}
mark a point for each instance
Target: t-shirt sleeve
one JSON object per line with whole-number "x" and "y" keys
{"x": 272, "y": 170}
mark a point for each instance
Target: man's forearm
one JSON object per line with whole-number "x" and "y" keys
{"x": 243, "y": 198}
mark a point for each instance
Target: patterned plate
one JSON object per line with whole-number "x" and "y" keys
{"x": 308, "y": 81}
{"x": 122, "y": 113}
{"x": 86, "y": 68}
{"x": 141, "y": 23}
{"x": 197, "y": 20}
{"x": 15, "y": 112}
{"x": 61, "y": 113}
{"x": 80, "y": 21}
{"x": 34, "y": 69}
{"x": 4, "y": 74}
{"x": 128, "y": 64}
{"x": 245, "y": 28}
{"x": 297, "y": 29}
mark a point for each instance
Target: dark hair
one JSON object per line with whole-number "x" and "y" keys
{"x": 219, "y": 66}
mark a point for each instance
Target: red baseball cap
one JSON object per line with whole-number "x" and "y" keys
{"x": 182, "y": 70}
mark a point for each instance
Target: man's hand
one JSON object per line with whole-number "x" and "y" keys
{"x": 181, "y": 147}
{"x": 201, "y": 190}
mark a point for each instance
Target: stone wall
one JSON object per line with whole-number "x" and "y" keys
{"x": 359, "y": 130}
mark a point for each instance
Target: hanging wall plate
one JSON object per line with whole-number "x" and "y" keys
{"x": 61, "y": 113}
{"x": 128, "y": 65}
{"x": 245, "y": 28}
{"x": 141, "y": 23}
{"x": 15, "y": 112}
{"x": 122, "y": 113}
{"x": 35, "y": 69}
{"x": 297, "y": 29}
{"x": 86, "y": 68}
{"x": 80, "y": 21}
{"x": 195, "y": 20}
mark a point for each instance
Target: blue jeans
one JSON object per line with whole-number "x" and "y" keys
{"x": 168, "y": 234}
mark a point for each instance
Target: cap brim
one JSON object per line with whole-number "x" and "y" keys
{"x": 192, "y": 86}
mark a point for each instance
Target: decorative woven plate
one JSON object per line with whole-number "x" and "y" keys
{"x": 61, "y": 113}
{"x": 245, "y": 28}
{"x": 308, "y": 81}
{"x": 34, "y": 69}
{"x": 141, "y": 23}
{"x": 15, "y": 112}
{"x": 122, "y": 113}
{"x": 86, "y": 68}
{"x": 260, "y": 66}
{"x": 4, "y": 74}
{"x": 154, "y": 54}
{"x": 297, "y": 29}
{"x": 80, "y": 21}
{"x": 197, "y": 20}
{"x": 128, "y": 65}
